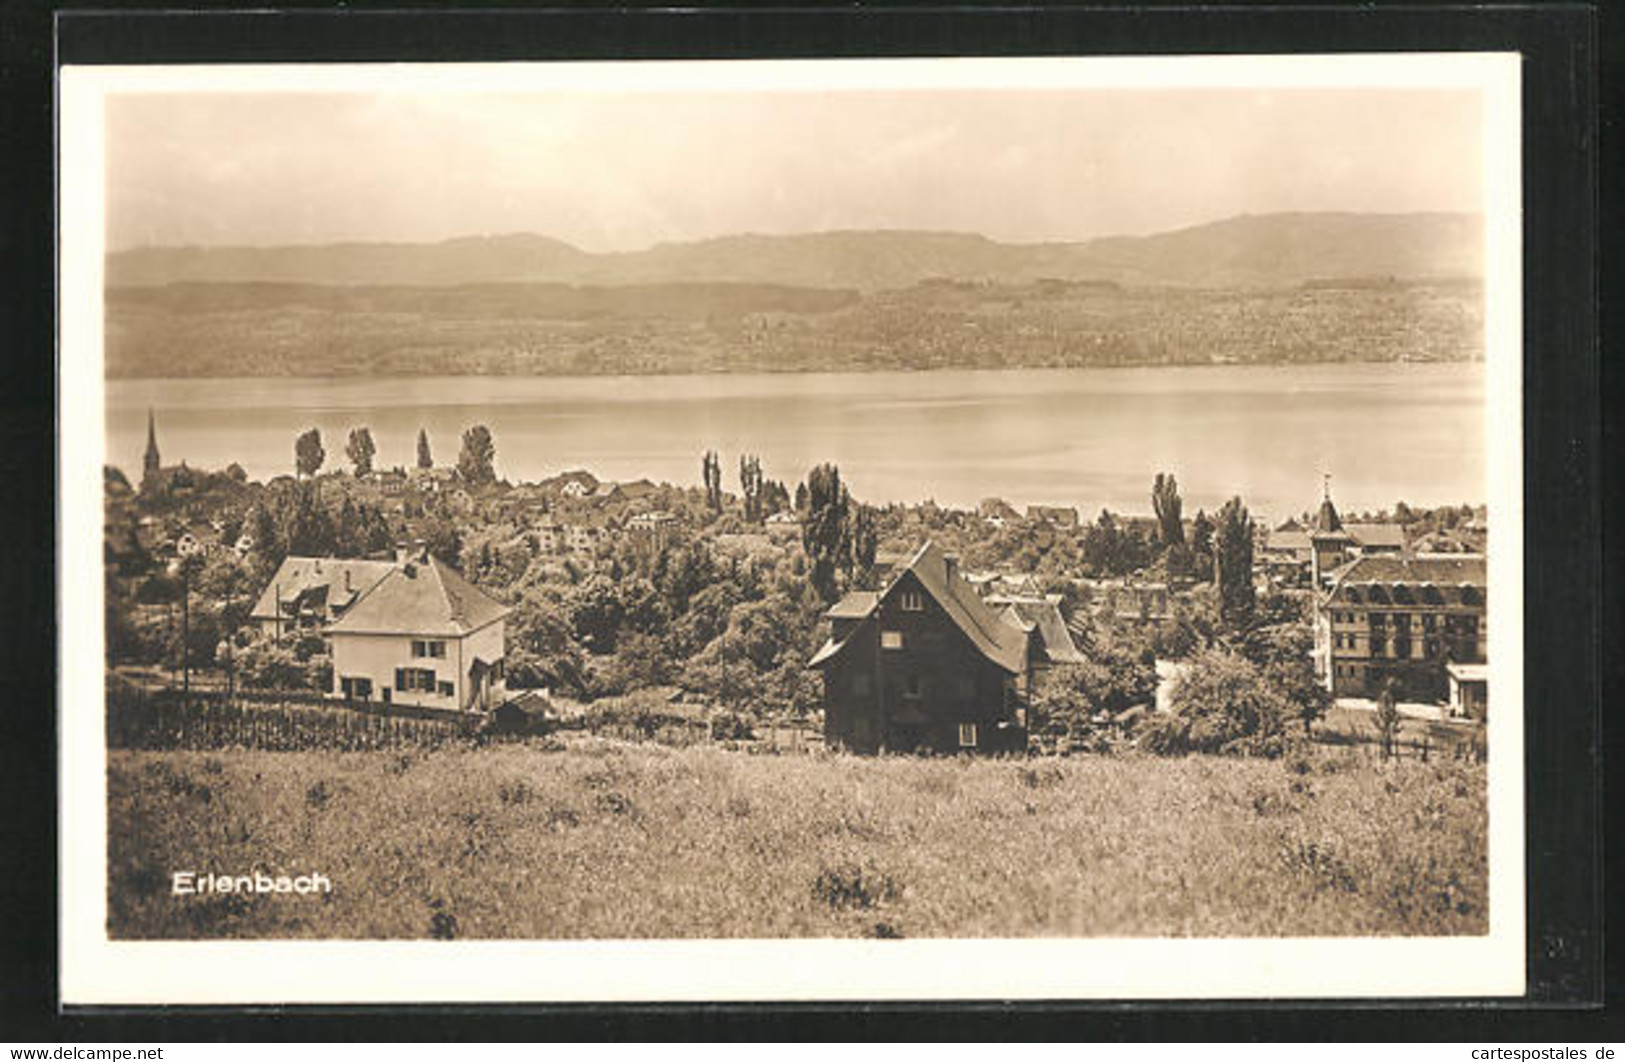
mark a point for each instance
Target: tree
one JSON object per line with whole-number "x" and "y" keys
{"x": 865, "y": 541}
{"x": 750, "y": 485}
{"x": 595, "y": 612}
{"x": 476, "y": 464}
{"x": 1387, "y": 717}
{"x": 425, "y": 459}
{"x": 1224, "y": 704}
{"x": 308, "y": 454}
{"x": 1202, "y": 547}
{"x": 347, "y": 531}
{"x": 825, "y": 533}
{"x": 711, "y": 470}
{"x": 441, "y": 538}
{"x": 269, "y": 546}
{"x": 542, "y": 651}
{"x": 375, "y": 532}
{"x": 1233, "y": 556}
{"x": 310, "y": 527}
{"x": 1110, "y": 549}
{"x": 1280, "y": 645}
{"x": 360, "y": 450}
{"x": 1166, "y": 503}
{"x": 801, "y": 498}
{"x": 268, "y": 664}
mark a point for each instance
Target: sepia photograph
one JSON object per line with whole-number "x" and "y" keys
{"x": 755, "y": 529}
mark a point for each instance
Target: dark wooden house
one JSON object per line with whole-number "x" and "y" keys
{"x": 925, "y": 664}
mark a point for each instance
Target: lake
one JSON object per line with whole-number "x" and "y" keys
{"x": 1091, "y": 438}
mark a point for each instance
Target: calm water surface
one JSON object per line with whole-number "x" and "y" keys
{"x": 1084, "y": 437}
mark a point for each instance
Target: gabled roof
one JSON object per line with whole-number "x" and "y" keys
{"x": 1292, "y": 540}
{"x": 1381, "y": 536}
{"x": 855, "y": 605}
{"x": 426, "y": 598}
{"x": 298, "y": 579}
{"x": 997, "y": 640}
{"x": 1042, "y": 615}
{"x": 1002, "y": 641}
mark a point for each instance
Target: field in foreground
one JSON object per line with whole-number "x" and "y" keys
{"x": 599, "y": 839}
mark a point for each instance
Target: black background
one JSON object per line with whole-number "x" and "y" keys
{"x": 1572, "y": 600}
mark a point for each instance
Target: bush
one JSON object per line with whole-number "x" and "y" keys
{"x": 732, "y": 726}
{"x": 157, "y": 589}
{"x": 1222, "y": 703}
{"x": 268, "y": 664}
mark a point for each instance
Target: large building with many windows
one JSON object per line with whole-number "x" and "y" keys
{"x": 1402, "y": 618}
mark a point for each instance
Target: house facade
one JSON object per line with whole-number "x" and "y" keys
{"x": 551, "y": 537}
{"x": 653, "y": 529}
{"x": 422, "y": 635}
{"x": 581, "y": 538}
{"x": 925, "y": 665}
{"x": 1400, "y": 618}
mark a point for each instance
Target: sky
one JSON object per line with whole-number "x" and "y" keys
{"x": 616, "y": 172}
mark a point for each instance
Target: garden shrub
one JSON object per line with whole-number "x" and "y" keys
{"x": 1222, "y": 703}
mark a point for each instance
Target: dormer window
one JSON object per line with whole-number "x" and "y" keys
{"x": 913, "y": 601}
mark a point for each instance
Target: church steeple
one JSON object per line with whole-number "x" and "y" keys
{"x": 1327, "y": 520}
{"x": 150, "y": 465}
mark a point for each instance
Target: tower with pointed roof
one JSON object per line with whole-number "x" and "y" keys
{"x": 150, "y": 464}
{"x": 1329, "y": 542}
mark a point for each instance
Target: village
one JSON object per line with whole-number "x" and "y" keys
{"x": 778, "y": 613}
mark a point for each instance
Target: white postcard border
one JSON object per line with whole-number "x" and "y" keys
{"x": 95, "y": 970}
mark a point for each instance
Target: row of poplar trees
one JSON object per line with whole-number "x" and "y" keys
{"x": 476, "y": 464}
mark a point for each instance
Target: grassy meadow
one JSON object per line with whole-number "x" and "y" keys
{"x": 593, "y": 838}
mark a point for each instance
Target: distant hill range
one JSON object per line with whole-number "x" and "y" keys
{"x": 1250, "y": 251}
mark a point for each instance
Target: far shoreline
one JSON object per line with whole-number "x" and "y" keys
{"x": 859, "y": 370}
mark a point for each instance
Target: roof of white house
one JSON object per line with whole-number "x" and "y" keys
{"x": 422, "y": 598}
{"x": 337, "y": 583}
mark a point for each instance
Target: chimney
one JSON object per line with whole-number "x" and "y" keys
{"x": 410, "y": 552}
{"x": 950, "y": 561}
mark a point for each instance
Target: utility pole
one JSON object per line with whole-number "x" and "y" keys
{"x": 231, "y": 637}
{"x": 186, "y": 631}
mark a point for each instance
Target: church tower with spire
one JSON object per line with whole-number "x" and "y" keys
{"x": 150, "y": 464}
{"x": 1330, "y": 544}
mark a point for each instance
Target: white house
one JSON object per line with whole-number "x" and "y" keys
{"x": 423, "y": 635}
{"x": 653, "y": 528}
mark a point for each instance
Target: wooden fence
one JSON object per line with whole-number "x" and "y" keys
{"x": 141, "y": 720}
{"x": 1468, "y": 746}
